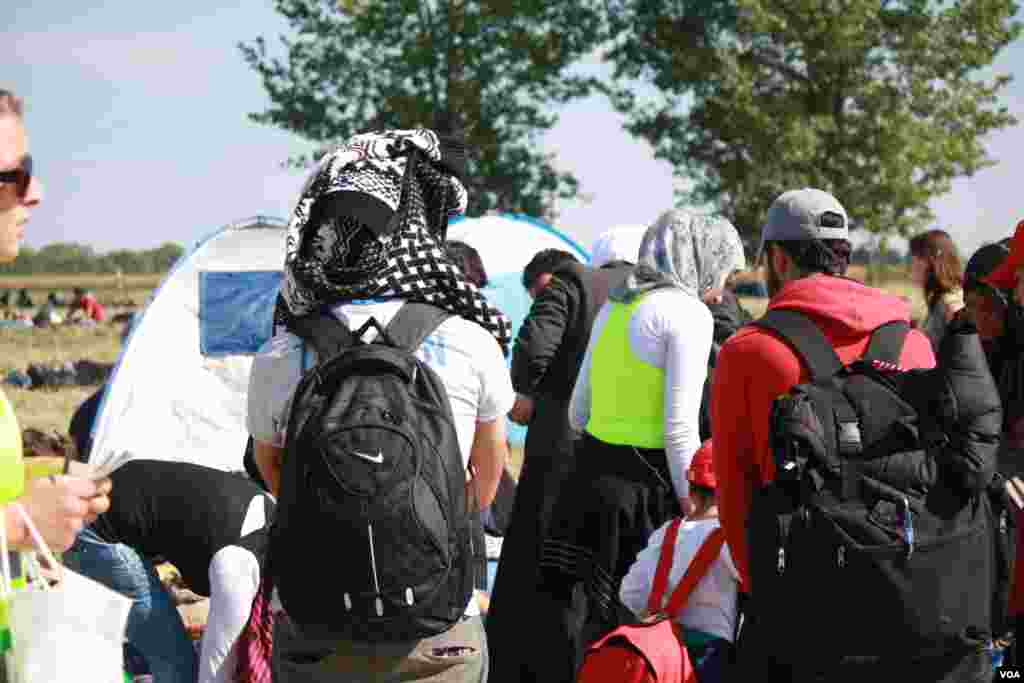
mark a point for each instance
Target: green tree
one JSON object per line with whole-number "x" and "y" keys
{"x": 125, "y": 260}
{"x": 882, "y": 102}
{"x": 70, "y": 257}
{"x": 495, "y": 66}
{"x": 66, "y": 257}
{"x": 24, "y": 264}
{"x": 165, "y": 256}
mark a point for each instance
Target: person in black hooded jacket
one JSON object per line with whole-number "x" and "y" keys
{"x": 989, "y": 284}
{"x": 1000, "y": 322}
{"x": 546, "y": 358}
{"x": 729, "y": 316}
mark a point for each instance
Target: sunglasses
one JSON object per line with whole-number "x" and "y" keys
{"x": 21, "y": 176}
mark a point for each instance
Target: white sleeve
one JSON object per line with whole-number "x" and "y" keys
{"x": 234, "y": 580}
{"x": 496, "y": 394}
{"x": 579, "y": 405}
{"x": 636, "y": 586}
{"x": 726, "y": 557}
{"x": 275, "y": 373}
{"x": 687, "y": 346}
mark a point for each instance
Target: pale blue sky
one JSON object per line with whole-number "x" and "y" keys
{"x": 137, "y": 117}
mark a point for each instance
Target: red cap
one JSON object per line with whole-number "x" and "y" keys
{"x": 702, "y": 469}
{"x": 1005, "y": 274}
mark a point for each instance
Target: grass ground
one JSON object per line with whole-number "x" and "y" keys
{"x": 52, "y": 408}
{"x": 19, "y": 347}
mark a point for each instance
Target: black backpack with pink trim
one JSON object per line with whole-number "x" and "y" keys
{"x": 886, "y": 533}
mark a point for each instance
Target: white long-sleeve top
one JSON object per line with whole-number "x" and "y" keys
{"x": 711, "y": 607}
{"x": 670, "y": 330}
{"x": 234, "y": 581}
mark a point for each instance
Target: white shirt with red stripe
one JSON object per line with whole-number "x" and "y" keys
{"x": 712, "y": 604}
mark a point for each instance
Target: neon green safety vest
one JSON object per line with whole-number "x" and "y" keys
{"x": 12, "y": 485}
{"x": 627, "y": 395}
{"x": 12, "y": 469}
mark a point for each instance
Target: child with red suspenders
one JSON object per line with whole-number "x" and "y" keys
{"x": 707, "y": 621}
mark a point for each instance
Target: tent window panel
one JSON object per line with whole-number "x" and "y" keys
{"x": 236, "y": 311}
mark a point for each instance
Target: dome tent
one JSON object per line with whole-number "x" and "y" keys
{"x": 178, "y": 391}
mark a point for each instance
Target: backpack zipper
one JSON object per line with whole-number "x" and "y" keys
{"x": 908, "y": 527}
{"x": 784, "y": 531}
{"x": 378, "y": 603}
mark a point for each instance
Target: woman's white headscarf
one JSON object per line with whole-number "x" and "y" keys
{"x": 691, "y": 251}
{"x": 618, "y": 244}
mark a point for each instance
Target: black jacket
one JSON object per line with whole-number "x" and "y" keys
{"x": 1006, "y": 361}
{"x": 729, "y": 316}
{"x": 553, "y": 339}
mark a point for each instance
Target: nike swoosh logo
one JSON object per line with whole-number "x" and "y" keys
{"x": 379, "y": 458}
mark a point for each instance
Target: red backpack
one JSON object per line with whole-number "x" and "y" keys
{"x": 650, "y": 651}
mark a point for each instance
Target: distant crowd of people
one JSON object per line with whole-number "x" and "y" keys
{"x": 81, "y": 308}
{"x": 825, "y": 493}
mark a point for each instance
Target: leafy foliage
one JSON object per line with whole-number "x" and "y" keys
{"x": 881, "y": 102}
{"x": 491, "y": 67}
{"x": 71, "y": 257}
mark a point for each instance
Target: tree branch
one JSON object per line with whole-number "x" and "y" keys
{"x": 778, "y": 66}
{"x": 426, "y": 17}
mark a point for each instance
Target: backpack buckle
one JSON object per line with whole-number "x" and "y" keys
{"x": 935, "y": 439}
{"x": 849, "y": 438}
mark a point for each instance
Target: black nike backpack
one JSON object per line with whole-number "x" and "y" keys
{"x": 371, "y": 540}
{"x": 885, "y": 535}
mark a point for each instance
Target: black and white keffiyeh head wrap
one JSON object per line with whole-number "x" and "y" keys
{"x": 371, "y": 223}
{"x": 690, "y": 251}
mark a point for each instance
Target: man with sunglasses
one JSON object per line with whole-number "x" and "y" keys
{"x": 58, "y": 504}
{"x": 19, "y": 192}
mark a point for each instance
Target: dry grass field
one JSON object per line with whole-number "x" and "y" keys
{"x": 109, "y": 289}
{"x": 52, "y": 409}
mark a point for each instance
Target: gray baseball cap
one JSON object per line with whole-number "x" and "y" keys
{"x": 806, "y": 214}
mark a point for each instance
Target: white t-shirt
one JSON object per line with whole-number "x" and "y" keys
{"x": 711, "y": 607}
{"x": 463, "y": 354}
{"x": 670, "y": 330}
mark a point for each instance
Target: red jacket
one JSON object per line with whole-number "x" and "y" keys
{"x": 755, "y": 366}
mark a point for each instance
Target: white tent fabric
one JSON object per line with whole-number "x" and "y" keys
{"x": 178, "y": 392}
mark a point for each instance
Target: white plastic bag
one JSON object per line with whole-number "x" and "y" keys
{"x": 70, "y": 632}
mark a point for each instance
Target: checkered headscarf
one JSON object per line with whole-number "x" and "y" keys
{"x": 371, "y": 223}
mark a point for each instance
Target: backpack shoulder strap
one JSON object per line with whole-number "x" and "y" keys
{"x": 806, "y": 338}
{"x": 413, "y": 323}
{"x": 668, "y": 549}
{"x": 709, "y": 551}
{"x": 326, "y": 334}
{"x": 886, "y": 344}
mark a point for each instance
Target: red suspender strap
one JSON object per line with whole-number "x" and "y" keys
{"x": 668, "y": 550}
{"x": 708, "y": 553}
